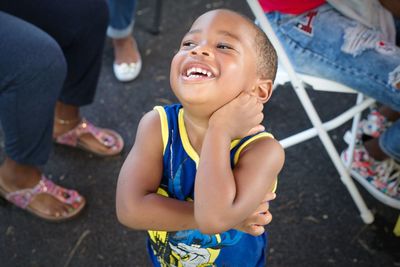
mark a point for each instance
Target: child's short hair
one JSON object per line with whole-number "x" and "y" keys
{"x": 267, "y": 59}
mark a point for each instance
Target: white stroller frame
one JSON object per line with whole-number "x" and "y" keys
{"x": 319, "y": 128}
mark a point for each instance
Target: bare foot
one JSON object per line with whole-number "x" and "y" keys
{"x": 14, "y": 177}
{"x": 125, "y": 50}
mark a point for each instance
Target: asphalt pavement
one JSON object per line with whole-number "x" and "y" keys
{"x": 315, "y": 220}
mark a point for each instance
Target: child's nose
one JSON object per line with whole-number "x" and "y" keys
{"x": 201, "y": 50}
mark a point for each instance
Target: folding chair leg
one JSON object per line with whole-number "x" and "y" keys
{"x": 155, "y": 28}
{"x": 365, "y": 213}
{"x": 329, "y": 125}
{"x": 354, "y": 127}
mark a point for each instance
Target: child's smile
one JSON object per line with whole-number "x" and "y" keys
{"x": 197, "y": 72}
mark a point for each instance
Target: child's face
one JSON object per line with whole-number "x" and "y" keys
{"x": 216, "y": 61}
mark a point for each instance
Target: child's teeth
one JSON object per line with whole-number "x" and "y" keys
{"x": 192, "y": 72}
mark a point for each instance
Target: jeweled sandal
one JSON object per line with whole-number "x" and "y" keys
{"x": 23, "y": 198}
{"x": 108, "y": 138}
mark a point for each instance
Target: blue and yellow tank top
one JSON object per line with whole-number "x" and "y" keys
{"x": 191, "y": 247}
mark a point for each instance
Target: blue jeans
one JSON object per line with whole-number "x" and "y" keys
{"x": 49, "y": 51}
{"x": 326, "y": 44}
{"x": 31, "y": 80}
{"x": 122, "y": 18}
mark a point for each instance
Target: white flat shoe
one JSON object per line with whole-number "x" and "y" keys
{"x": 126, "y": 72}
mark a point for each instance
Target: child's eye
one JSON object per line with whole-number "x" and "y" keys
{"x": 224, "y": 46}
{"x": 188, "y": 44}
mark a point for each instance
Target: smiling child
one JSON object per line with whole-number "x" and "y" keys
{"x": 201, "y": 173}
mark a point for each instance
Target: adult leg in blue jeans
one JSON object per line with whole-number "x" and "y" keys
{"x": 33, "y": 71}
{"x": 324, "y": 43}
{"x": 81, "y": 37}
{"x": 45, "y": 99}
{"x": 127, "y": 60}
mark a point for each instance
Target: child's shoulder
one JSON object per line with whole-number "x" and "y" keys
{"x": 158, "y": 112}
{"x": 170, "y": 115}
{"x": 157, "y": 123}
{"x": 260, "y": 148}
{"x": 262, "y": 143}
{"x": 148, "y": 134}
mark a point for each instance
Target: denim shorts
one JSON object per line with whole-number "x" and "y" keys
{"x": 324, "y": 43}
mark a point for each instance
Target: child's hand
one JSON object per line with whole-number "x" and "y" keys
{"x": 240, "y": 117}
{"x": 254, "y": 224}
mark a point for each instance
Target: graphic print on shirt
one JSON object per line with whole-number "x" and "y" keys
{"x": 189, "y": 247}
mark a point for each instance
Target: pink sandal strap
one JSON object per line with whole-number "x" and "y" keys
{"x": 71, "y": 137}
{"x": 22, "y": 198}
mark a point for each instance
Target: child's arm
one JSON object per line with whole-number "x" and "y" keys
{"x": 254, "y": 224}
{"x": 224, "y": 197}
{"x": 138, "y": 205}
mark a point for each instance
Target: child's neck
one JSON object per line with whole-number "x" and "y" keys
{"x": 196, "y": 127}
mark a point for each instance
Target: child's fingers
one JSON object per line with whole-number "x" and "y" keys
{"x": 243, "y": 98}
{"x": 263, "y": 217}
{"x": 258, "y": 118}
{"x": 256, "y": 230}
{"x": 262, "y": 208}
{"x": 269, "y": 196}
{"x": 264, "y": 205}
{"x": 256, "y": 129}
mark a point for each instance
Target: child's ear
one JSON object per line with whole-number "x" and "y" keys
{"x": 263, "y": 89}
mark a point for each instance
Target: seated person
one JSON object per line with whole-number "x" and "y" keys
{"x": 323, "y": 42}
{"x": 50, "y": 60}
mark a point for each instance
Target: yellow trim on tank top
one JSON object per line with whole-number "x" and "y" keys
{"x": 185, "y": 139}
{"x": 258, "y": 136}
{"x": 186, "y": 142}
{"x": 164, "y": 125}
{"x": 247, "y": 142}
